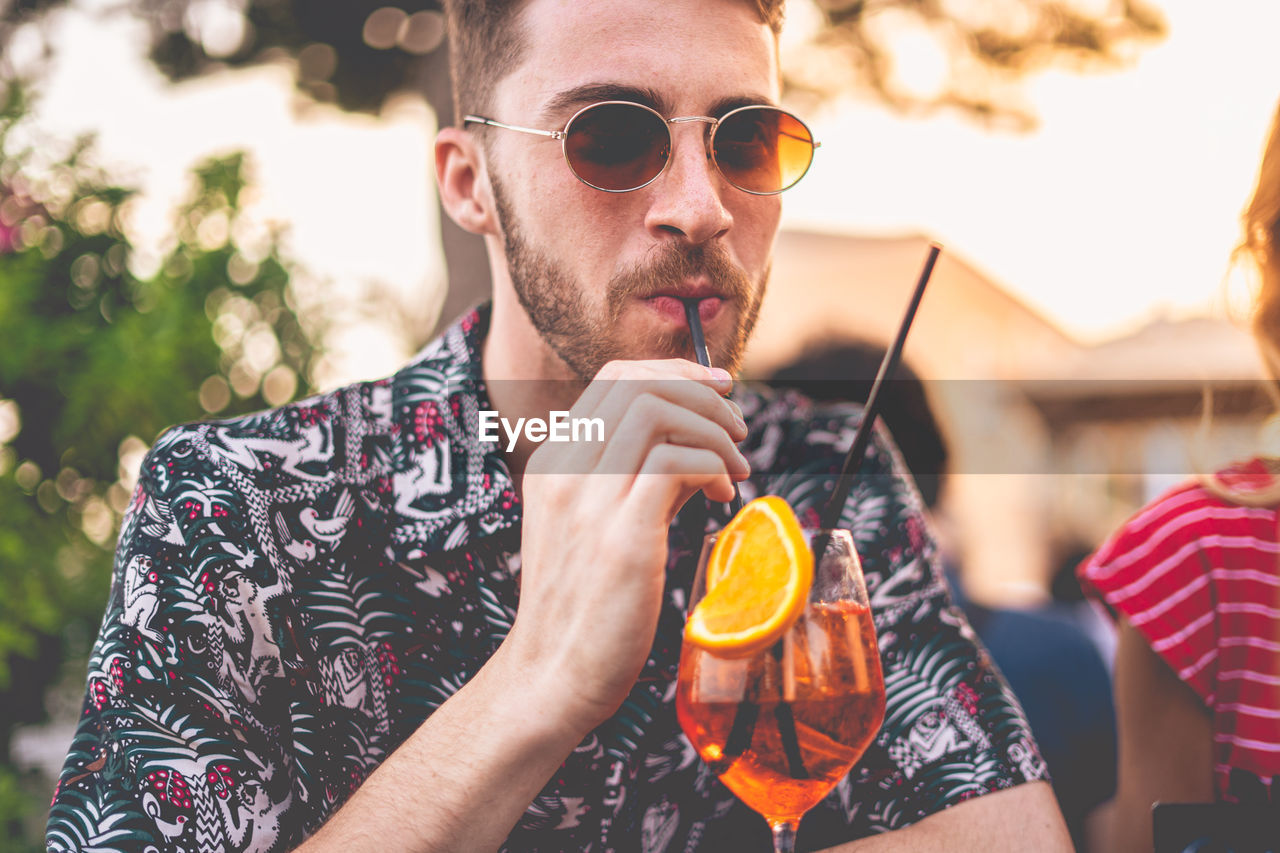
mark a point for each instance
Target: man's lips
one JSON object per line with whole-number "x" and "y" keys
{"x": 671, "y": 305}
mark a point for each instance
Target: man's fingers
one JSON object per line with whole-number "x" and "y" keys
{"x": 638, "y": 413}
{"x": 670, "y": 476}
{"x": 628, "y": 371}
{"x": 672, "y": 367}
{"x": 618, "y": 404}
{"x": 651, "y": 421}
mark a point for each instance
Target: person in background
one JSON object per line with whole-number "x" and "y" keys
{"x": 1053, "y": 667}
{"x": 1192, "y": 582}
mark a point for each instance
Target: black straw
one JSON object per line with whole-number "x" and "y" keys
{"x": 786, "y": 720}
{"x": 704, "y": 358}
{"x": 695, "y": 329}
{"x": 857, "y": 452}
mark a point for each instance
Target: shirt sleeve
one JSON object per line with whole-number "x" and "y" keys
{"x": 179, "y": 742}
{"x": 1155, "y": 572}
{"x": 953, "y": 729}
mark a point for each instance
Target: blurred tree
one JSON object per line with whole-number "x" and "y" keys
{"x": 98, "y": 357}
{"x": 974, "y": 53}
{"x": 357, "y": 53}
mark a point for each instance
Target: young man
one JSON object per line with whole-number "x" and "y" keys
{"x": 350, "y": 615}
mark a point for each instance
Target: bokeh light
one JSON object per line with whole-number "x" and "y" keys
{"x": 215, "y": 394}
{"x": 421, "y": 33}
{"x": 10, "y": 421}
{"x": 218, "y": 25}
{"x": 382, "y": 27}
{"x": 27, "y": 476}
{"x": 317, "y": 61}
{"x": 279, "y": 385}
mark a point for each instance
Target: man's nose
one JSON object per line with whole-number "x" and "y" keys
{"x": 688, "y": 196}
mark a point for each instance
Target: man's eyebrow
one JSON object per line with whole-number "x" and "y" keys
{"x": 590, "y": 93}
{"x": 725, "y": 105}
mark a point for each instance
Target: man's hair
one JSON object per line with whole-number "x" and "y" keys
{"x": 486, "y": 43}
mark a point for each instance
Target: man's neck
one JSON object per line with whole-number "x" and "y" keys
{"x": 524, "y": 377}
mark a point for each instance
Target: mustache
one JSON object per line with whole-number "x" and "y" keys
{"x": 673, "y": 267}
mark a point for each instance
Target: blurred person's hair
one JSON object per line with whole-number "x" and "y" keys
{"x": 1262, "y": 245}
{"x": 1261, "y": 248}
{"x": 844, "y": 371}
{"x": 486, "y": 42}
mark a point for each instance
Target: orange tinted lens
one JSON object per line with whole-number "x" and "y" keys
{"x": 762, "y": 149}
{"x": 617, "y": 146}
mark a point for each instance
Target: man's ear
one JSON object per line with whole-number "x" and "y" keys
{"x": 462, "y": 192}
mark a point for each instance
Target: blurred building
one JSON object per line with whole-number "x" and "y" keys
{"x": 1052, "y": 442}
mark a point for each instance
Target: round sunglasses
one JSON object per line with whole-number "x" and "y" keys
{"x": 620, "y": 146}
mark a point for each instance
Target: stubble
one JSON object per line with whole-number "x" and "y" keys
{"x": 585, "y": 337}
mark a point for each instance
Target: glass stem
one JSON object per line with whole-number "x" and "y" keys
{"x": 784, "y": 836}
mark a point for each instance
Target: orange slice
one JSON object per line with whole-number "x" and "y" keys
{"x": 758, "y": 578}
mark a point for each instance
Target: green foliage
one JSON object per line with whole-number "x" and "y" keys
{"x": 97, "y": 357}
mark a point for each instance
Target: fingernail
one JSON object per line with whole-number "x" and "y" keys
{"x": 719, "y": 374}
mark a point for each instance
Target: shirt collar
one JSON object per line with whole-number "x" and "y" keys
{"x": 448, "y": 490}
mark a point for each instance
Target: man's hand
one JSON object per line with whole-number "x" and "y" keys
{"x": 593, "y": 563}
{"x": 596, "y": 517}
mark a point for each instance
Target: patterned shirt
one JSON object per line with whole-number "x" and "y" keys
{"x": 1197, "y": 576}
{"x": 296, "y": 591}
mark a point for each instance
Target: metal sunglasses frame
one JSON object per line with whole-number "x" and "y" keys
{"x": 710, "y": 144}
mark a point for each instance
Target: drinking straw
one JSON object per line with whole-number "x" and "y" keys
{"x": 853, "y": 461}
{"x": 704, "y": 358}
{"x": 695, "y": 330}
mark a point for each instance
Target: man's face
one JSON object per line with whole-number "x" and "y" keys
{"x": 602, "y": 275}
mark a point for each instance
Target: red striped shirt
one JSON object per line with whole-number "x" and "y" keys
{"x": 1200, "y": 579}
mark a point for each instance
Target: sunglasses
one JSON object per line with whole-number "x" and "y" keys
{"x": 620, "y": 146}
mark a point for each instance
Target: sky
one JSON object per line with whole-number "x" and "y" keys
{"x": 1121, "y": 207}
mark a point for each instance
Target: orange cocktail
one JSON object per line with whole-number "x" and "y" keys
{"x": 782, "y": 724}
{"x": 829, "y": 675}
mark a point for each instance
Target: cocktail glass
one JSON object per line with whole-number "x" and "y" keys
{"x": 782, "y": 726}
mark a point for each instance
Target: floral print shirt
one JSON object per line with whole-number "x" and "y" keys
{"x": 296, "y": 591}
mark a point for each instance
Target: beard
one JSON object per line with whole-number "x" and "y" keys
{"x": 585, "y": 337}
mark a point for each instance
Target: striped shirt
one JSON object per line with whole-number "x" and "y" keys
{"x": 1198, "y": 577}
